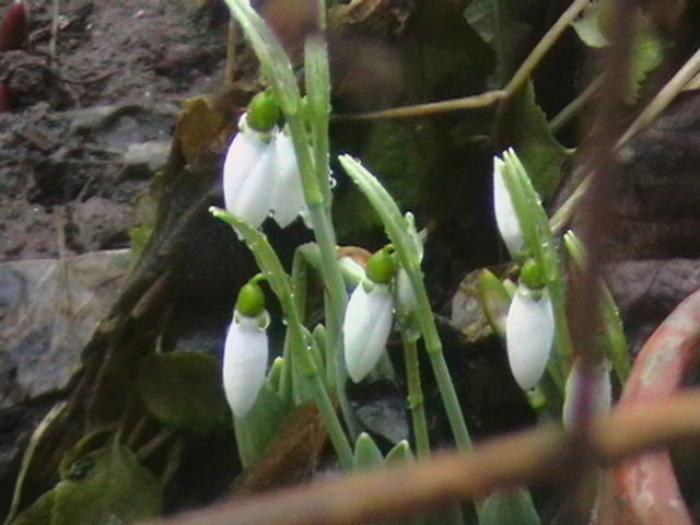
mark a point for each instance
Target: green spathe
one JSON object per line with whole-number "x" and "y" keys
{"x": 381, "y": 267}
{"x": 251, "y": 299}
{"x": 532, "y": 275}
{"x": 263, "y": 111}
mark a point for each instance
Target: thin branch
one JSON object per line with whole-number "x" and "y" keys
{"x": 664, "y": 97}
{"x": 487, "y": 98}
{"x": 685, "y": 76}
{"x": 576, "y": 105}
{"x": 480, "y": 101}
{"x": 544, "y": 455}
{"x": 544, "y": 45}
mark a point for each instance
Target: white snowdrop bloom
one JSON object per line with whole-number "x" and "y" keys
{"x": 288, "y": 192}
{"x": 529, "y": 335}
{"x": 245, "y": 360}
{"x": 506, "y": 219}
{"x": 601, "y": 390}
{"x": 248, "y": 174}
{"x": 366, "y": 328}
{"x": 405, "y": 297}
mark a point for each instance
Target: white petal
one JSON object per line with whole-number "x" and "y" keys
{"x": 245, "y": 360}
{"x": 404, "y": 293}
{"x": 248, "y": 176}
{"x": 366, "y": 328}
{"x": 506, "y": 219}
{"x": 601, "y": 390}
{"x": 529, "y": 335}
{"x": 288, "y": 200}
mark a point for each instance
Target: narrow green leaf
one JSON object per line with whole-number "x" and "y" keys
{"x": 400, "y": 454}
{"x": 261, "y": 426}
{"x": 514, "y": 507}
{"x": 617, "y": 348}
{"x": 367, "y": 454}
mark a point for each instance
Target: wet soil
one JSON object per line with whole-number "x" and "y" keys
{"x": 93, "y": 105}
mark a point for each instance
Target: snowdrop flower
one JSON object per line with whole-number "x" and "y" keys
{"x": 288, "y": 192}
{"x": 601, "y": 390}
{"x": 247, "y": 173}
{"x": 261, "y": 173}
{"x": 246, "y": 350}
{"x": 368, "y": 317}
{"x": 506, "y": 219}
{"x": 529, "y": 327}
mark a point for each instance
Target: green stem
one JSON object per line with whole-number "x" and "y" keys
{"x": 330, "y": 419}
{"x": 433, "y": 346}
{"x": 543, "y": 46}
{"x": 397, "y": 230}
{"x": 335, "y": 312}
{"x": 269, "y": 263}
{"x": 416, "y": 402}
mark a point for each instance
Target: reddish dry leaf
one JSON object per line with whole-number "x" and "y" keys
{"x": 13, "y": 31}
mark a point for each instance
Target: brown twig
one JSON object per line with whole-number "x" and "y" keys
{"x": 488, "y": 98}
{"x": 664, "y": 97}
{"x": 482, "y": 100}
{"x": 543, "y": 455}
{"x": 594, "y": 211}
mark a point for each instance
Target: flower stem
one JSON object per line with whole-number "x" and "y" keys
{"x": 335, "y": 310}
{"x": 396, "y": 229}
{"x": 415, "y": 397}
{"x": 269, "y": 263}
{"x": 330, "y": 420}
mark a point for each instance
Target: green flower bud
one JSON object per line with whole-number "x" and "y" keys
{"x": 263, "y": 111}
{"x": 531, "y": 275}
{"x": 251, "y": 300}
{"x": 381, "y": 267}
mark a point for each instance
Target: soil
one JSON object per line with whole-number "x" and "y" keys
{"x": 111, "y": 86}
{"x": 92, "y": 112}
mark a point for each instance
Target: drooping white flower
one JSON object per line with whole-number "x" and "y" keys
{"x": 506, "y": 219}
{"x": 366, "y": 328}
{"x": 601, "y": 390}
{"x": 245, "y": 360}
{"x": 529, "y": 335}
{"x": 248, "y": 171}
{"x": 261, "y": 177}
{"x": 288, "y": 193}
